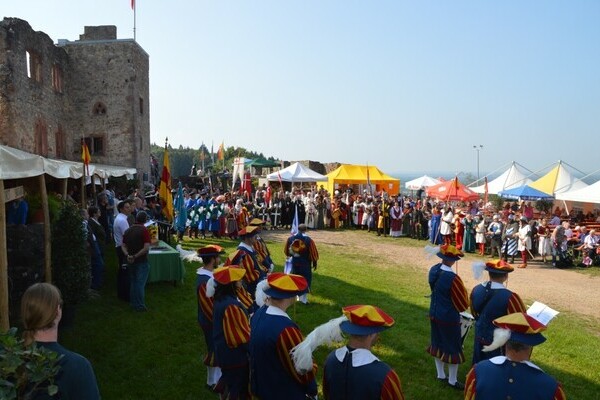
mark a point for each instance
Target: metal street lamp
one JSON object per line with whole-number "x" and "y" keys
{"x": 478, "y": 149}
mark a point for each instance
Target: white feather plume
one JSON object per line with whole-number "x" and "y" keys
{"x": 501, "y": 336}
{"x": 188, "y": 255}
{"x": 431, "y": 250}
{"x": 327, "y": 333}
{"x": 211, "y": 285}
{"x": 260, "y": 296}
{"x": 478, "y": 268}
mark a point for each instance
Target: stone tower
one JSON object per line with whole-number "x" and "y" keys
{"x": 96, "y": 88}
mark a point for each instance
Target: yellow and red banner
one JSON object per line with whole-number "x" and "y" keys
{"x": 164, "y": 190}
{"x": 221, "y": 152}
{"x": 85, "y": 156}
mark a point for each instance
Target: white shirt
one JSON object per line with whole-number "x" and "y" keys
{"x": 119, "y": 227}
{"x": 360, "y": 357}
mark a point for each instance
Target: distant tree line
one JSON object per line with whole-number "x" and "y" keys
{"x": 183, "y": 158}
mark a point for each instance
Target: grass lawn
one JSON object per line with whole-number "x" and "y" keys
{"x": 157, "y": 355}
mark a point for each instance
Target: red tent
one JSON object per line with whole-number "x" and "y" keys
{"x": 452, "y": 190}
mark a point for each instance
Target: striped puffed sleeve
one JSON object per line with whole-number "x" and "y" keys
{"x": 287, "y": 340}
{"x": 459, "y": 295}
{"x": 206, "y": 303}
{"x": 244, "y": 261}
{"x": 391, "y": 389}
{"x": 313, "y": 253}
{"x": 515, "y": 304}
{"x": 244, "y": 298}
{"x": 470, "y": 383}
{"x": 236, "y": 326}
{"x": 559, "y": 394}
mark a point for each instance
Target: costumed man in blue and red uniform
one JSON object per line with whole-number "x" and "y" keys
{"x": 449, "y": 298}
{"x": 274, "y": 335}
{"x": 260, "y": 247}
{"x": 303, "y": 251}
{"x": 211, "y": 256}
{"x": 245, "y": 256}
{"x": 231, "y": 331}
{"x": 352, "y": 372}
{"x": 513, "y": 376}
{"x": 491, "y": 300}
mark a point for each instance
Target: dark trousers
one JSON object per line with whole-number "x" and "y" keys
{"x": 122, "y": 276}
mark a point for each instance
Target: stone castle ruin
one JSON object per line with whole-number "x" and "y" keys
{"x": 95, "y": 88}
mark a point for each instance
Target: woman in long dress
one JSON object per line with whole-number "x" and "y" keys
{"x": 434, "y": 226}
{"x": 396, "y": 220}
{"x": 469, "y": 234}
{"x": 524, "y": 244}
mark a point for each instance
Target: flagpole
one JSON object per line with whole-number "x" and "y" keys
{"x": 133, "y": 5}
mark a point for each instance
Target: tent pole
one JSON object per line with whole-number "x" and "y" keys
{"x": 93, "y": 189}
{"x": 47, "y": 246}
{"x": 4, "y": 319}
{"x": 63, "y": 190}
{"x": 83, "y": 200}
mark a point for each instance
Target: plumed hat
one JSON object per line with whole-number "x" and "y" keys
{"x": 248, "y": 231}
{"x": 284, "y": 286}
{"x": 210, "y": 250}
{"x": 517, "y": 327}
{"x": 228, "y": 274}
{"x": 449, "y": 253}
{"x": 365, "y": 320}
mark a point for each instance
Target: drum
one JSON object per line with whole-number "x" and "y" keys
{"x": 466, "y": 322}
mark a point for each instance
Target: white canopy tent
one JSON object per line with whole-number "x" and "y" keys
{"x": 296, "y": 173}
{"x": 588, "y": 194}
{"x": 511, "y": 178}
{"x": 423, "y": 181}
{"x": 18, "y": 164}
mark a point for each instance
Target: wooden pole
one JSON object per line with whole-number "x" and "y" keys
{"x": 83, "y": 201}
{"x": 93, "y": 190}
{"x": 4, "y": 319}
{"x": 64, "y": 188}
{"x": 47, "y": 246}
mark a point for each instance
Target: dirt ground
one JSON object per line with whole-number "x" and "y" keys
{"x": 564, "y": 290}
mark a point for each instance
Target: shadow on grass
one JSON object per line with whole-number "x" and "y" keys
{"x": 158, "y": 354}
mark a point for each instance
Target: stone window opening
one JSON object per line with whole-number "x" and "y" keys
{"x": 57, "y": 78}
{"x": 41, "y": 138}
{"x": 34, "y": 66}
{"x": 99, "y": 109}
{"x": 95, "y": 145}
{"x": 141, "y": 106}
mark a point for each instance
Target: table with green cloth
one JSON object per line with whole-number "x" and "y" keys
{"x": 165, "y": 264}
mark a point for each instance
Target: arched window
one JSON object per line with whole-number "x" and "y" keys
{"x": 41, "y": 138}
{"x": 99, "y": 109}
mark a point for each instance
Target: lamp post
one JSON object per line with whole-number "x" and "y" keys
{"x": 478, "y": 149}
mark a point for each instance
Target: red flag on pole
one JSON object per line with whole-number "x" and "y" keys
{"x": 133, "y": 4}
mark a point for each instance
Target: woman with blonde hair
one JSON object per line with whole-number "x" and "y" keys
{"x": 41, "y": 311}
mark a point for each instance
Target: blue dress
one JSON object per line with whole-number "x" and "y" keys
{"x": 434, "y": 232}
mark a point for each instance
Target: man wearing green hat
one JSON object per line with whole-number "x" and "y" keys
{"x": 513, "y": 376}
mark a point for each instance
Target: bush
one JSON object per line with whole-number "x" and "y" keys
{"x": 71, "y": 271}
{"x": 25, "y": 371}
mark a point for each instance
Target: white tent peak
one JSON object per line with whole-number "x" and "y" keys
{"x": 511, "y": 178}
{"x": 296, "y": 173}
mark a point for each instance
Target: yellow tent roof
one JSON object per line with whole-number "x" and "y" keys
{"x": 558, "y": 180}
{"x": 350, "y": 174}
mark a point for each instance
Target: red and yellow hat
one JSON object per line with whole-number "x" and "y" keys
{"x": 284, "y": 286}
{"x": 499, "y": 267}
{"x": 248, "y": 231}
{"x": 256, "y": 222}
{"x": 449, "y": 253}
{"x": 364, "y": 320}
{"x": 210, "y": 250}
{"x": 228, "y": 274}
{"x": 523, "y": 328}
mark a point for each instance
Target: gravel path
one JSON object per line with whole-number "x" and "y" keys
{"x": 563, "y": 290}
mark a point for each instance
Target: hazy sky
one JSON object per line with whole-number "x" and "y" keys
{"x": 406, "y": 85}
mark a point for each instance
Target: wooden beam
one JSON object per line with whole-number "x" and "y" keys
{"x": 13, "y": 193}
{"x": 63, "y": 190}
{"x": 4, "y": 319}
{"x": 47, "y": 237}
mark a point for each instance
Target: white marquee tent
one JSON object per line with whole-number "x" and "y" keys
{"x": 296, "y": 173}
{"x": 423, "y": 181}
{"x": 511, "y": 178}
